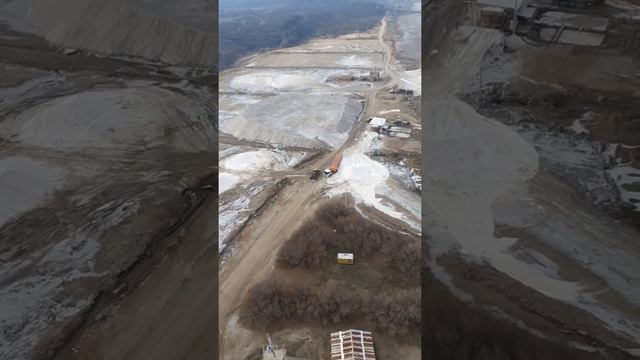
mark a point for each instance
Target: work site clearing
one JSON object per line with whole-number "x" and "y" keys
{"x": 308, "y": 172}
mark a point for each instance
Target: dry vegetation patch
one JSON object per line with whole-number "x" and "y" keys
{"x": 380, "y": 291}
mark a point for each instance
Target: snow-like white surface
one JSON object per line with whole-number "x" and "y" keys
{"x": 388, "y": 111}
{"x": 233, "y": 215}
{"x": 355, "y": 61}
{"x": 627, "y": 175}
{"x": 366, "y": 180}
{"x": 301, "y": 119}
{"x": 469, "y": 162}
{"x": 578, "y": 127}
{"x": 227, "y": 181}
{"x": 412, "y": 80}
{"x": 24, "y": 184}
{"x": 117, "y": 118}
{"x": 261, "y": 159}
{"x": 268, "y": 81}
{"x": 31, "y": 306}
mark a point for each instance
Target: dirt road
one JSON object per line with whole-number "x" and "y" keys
{"x": 261, "y": 239}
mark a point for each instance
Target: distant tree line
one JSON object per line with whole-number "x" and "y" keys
{"x": 282, "y": 23}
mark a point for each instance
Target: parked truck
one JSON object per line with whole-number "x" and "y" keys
{"x": 333, "y": 167}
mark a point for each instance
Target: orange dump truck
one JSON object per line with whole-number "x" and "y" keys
{"x": 335, "y": 163}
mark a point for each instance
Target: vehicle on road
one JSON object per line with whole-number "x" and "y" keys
{"x": 335, "y": 163}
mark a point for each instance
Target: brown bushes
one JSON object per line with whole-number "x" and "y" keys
{"x": 338, "y": 229}
{"x": 272, "y": 304}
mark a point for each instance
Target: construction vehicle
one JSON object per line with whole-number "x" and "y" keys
{"x": 315, "y": 174}
{"x": 335, "y": 163}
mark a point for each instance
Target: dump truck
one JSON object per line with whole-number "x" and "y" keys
{"x": 335, "y": 163}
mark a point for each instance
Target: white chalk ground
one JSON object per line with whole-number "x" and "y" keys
{"x": 577, "y": 125}
{"x": 473, "y": 165}
{"x": 472, "y": 162}
{"x": 234, "y": 214}
{"x": 31, "y": 306}
{"x": 388, "y": 111}
{"x": 270, "y": 81}
{"x": 367, "y": 180}
{"x": 355, "y": 61}
{"x": 311, "y": 120}
{"x": 412, "y": 80}
{"x": 113, "y": 119}
{"x": 25, "y": 184}
{"x": 237, "y": 169}
{"x": 261, "y": 159}
{"x": 624, "y": 177}
{"x": 469, "y": 162}
{"x": 226, "y": 181}
{"x": 285, "y": 80}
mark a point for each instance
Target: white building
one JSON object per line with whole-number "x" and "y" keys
{"x": 352, "y": 345}
{"x": 377, "y": 122}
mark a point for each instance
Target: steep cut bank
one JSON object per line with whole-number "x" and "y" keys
{"x": 118, "y": 28}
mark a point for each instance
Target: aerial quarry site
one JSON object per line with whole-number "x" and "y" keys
{"x": 531, "y": 173}
{"x": 319, "y": 185}
{"x": 480, "y": 201}
{"x": 108, "y": 147}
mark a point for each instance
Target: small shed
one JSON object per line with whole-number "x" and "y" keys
{"x": 345, "y": 258}
{"x": 377, "y": 122}
{"x": 492, "y": 17}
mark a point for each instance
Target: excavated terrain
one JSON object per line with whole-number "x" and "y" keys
{"x": 108, "y": 148}
{"x": 529, "y": 183}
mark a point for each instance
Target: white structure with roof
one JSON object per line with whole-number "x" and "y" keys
{"x": 352, "y": 345}
{"x": 377, "y": 122}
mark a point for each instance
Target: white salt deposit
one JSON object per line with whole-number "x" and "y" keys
{"x": 469, "y": 162}
{"x": 113, "y": 119}
{"x": 626, "y": 177}
{"x": 412, "y": 80}
{"x": 355, "y": 61}
{"x": 365, "y": 179}
{"x": 578, "y": 127}
{"x": 269, "y": 81}
{"x": 25, "y": 184}
{"x": 227, "y": 181}
{"x": 253, "y": 161}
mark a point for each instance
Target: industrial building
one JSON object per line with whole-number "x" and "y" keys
{"x": 377, "y": 123}
{"x": 352, "y": 345}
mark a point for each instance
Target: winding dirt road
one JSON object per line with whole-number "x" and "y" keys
{"x": 261, "y": 239}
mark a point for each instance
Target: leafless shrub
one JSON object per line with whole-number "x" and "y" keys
{"x": 339, "y": 229}
{"x": 272, "y": 304}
